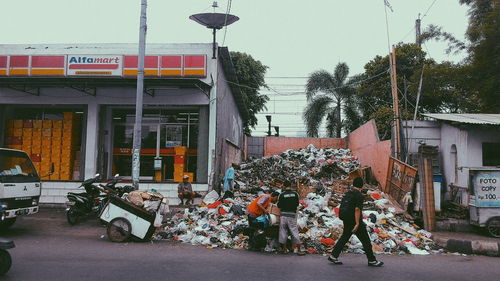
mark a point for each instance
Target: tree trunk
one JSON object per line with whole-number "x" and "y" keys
{"x": 339, "y": 124}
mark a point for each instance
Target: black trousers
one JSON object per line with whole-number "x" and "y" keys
{"x": 362, "y": 235}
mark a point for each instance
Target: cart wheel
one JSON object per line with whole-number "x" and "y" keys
{"x": 119, "y": 230}
{"x": 493, "y": 227}
{"x": 5, "y": 261}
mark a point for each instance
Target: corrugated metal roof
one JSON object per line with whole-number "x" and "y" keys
{"x": 469, "y": 118}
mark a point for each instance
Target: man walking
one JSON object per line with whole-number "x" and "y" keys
{"x": 288, "y": 202}
{"x": 350, "y": 213}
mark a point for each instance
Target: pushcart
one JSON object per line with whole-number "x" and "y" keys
{"x": 484, "y": 199}
{"x": 126, "y": 220}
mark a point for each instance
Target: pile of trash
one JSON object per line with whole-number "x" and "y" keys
{"x": 223, "y": 223}
{"x": 310, "y": 163}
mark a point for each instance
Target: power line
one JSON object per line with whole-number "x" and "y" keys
{"x": 428, "y": 9}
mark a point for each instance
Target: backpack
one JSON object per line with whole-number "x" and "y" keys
{"x": 346, "y": 210}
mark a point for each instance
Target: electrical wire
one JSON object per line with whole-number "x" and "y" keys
{"x": 428, "y": 9}
{"x": 228, "y": 9}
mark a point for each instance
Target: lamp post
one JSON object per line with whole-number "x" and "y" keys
{"x": 277, "y": 129}
{"x": 136, "y": 147}
{"x": 268, "y": 118}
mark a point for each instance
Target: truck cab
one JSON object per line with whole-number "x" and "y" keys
{"x": 20, "y": 186}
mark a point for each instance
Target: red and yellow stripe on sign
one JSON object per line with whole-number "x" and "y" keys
{"x": 195, "y": 65}
{"x": 3, "y": 65}
{"x": 171, "y": 65}
{"x": 48, "y": 65}
{"x": 19, "y": 65}
{"x": 130, "y": 64}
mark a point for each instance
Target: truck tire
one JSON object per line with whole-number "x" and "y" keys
{"x": 5, "y": 261}
{"x": 6, "y": 223}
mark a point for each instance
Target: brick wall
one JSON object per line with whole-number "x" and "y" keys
{"x": 277, "y": 145}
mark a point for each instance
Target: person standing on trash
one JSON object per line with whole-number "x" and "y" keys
{"x": 257, "y": 208}
{"x": 351, "y": 208}
{"x": 185, "y": 190}
{"x": 288, "y": 203}
{"x": 229, "y": 179}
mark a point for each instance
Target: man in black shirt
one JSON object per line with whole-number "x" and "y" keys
{"x": 351, "y": 209}
{"x": 288, "y": 202}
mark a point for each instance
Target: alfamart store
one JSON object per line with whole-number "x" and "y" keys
{"x": 73, "y": 107}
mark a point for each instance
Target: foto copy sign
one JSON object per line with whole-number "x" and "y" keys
{"x": 95, "y": 65}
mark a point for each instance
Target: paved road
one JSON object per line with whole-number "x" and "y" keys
{"x": 49, "y": 249}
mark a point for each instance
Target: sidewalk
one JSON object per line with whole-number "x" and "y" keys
{"x": 460, "y": 236}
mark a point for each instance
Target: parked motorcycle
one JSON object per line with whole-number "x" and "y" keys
{"x": 117, "y": 190}
{"x": 85, "y": 204}
{"x": 5, "y": 259}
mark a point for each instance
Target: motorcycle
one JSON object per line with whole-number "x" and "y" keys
{"x": 117, "y": 190}
{"x": 5, "y": 258}
{"x": 84, "y": 204}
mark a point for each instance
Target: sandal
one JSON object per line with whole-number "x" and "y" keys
{"x": 334, "y": 260}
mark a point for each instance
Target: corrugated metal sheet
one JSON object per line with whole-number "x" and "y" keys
{"x": 469, "y": 118}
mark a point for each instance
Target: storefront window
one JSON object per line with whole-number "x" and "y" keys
{"x": 50, "y": 135}
{"x": 162, "y": 131}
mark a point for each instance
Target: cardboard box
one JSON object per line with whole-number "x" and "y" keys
{"x": 18, "y": 124}
{"x": 18, "y": 132}
{"x": 69, "y": 116}
{"x": 47, "y": 124}
{"x": 27, "y": 123}
{"x": 57, "y": 124}
{"x": 37, "y": 149}
{"x": 273, "y": 209}
{"x": 37, "y": 124}
{"x": 27, "y": 132}
{"x": 180, "y": 150}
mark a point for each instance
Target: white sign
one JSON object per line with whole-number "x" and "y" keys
{"x": 487, "y": 188}
{"x": 94, "y": 65}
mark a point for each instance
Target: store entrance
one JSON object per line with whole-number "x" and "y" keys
{"x": 162, "y": 132}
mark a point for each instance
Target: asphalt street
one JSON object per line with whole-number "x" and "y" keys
{"x": 47, "y": 248}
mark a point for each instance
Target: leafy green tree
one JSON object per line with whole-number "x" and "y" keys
{"x": 250, "y": 73}
{"x": 329, "y": 96}
{"x": 483, "y": 47}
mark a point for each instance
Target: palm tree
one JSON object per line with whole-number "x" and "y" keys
{"x": 327, "y": 94}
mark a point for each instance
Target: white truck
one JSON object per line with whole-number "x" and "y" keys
{"x": 20, "y": 186}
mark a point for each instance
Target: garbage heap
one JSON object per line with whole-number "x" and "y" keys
{"x": 322, "y": 179}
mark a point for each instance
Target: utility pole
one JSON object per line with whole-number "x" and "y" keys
{"x": 395, "y": 105}
{"x": 417, "y": 32}
{"x": 136, "y": 149}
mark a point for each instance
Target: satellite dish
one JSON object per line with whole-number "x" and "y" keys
{"x": 214, "y": 21}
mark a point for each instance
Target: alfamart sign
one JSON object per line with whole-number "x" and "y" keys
{"x": 103, "y": 65}
{"x": 95, "y": 65}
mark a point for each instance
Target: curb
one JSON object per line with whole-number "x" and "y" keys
{"x": 469, "y": 247}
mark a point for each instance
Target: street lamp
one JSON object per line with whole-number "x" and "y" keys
{"x": 136, "y": 146}
{"x": 214, "y": 21}
{"x": 268, "y": 117}
{"x": 277, "y": 129}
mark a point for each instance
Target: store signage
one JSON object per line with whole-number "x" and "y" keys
{"x": 173, "y": 65}
{"x": 487, "y": 188}
{"x": 95, "y": 65}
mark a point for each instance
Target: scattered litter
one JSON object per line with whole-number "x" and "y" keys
{"x": 322, "y": 179}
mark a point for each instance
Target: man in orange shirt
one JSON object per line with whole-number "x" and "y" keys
{"x": 257, "y": 208}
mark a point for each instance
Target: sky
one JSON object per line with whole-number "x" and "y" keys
{"x": 293, "y": 38}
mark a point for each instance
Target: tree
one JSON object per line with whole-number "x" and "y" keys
{"x": 250, "y": 73}
{"x": 327, "y": 94}
{"x": 483, "y": 47}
